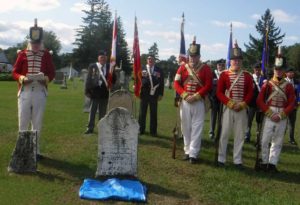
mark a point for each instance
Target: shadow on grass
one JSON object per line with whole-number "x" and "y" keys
{"x": 284, "y": 176}
{"x": 75, "y": 171}
{"x": 291, "y": 149}
{"x": 160, "y": 141}
{"x": 159, "y": 190}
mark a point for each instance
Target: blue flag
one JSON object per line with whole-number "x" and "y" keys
{"x": 229, "y": 48}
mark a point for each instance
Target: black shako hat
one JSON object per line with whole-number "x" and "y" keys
{"x": 194, "y": 49}
{"x": 236, "y": 52}
{"x": 36, "y": 33}
{"x": 280, "y": 60}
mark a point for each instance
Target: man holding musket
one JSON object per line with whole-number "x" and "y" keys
{"x": 277, "y": 101}
{"x": 192, "y": 82}
{"x": 235, "y": 91}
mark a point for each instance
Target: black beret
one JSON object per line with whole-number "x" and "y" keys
{"x": 101, "y": 53}
{"x": 221, "y": 61}
{"x": 290, "y": 70}
{"x": 257, "y": 65}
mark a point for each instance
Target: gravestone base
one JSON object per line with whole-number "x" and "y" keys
{"x": 24, "y": 155}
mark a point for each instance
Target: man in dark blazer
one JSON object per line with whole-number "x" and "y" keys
{"x": 97, "y": 89}
{"x": 151, "y": 92}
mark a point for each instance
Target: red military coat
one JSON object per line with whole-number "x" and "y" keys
{"x": 242, "y": 90}
{"x": 182, "y": 85}
{"x": 277, "y": 100}
{"x": 21, "y": 66}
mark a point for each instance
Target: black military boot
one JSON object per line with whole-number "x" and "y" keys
{"x": 263, "y": 167}
{"x": 272, "y": 168}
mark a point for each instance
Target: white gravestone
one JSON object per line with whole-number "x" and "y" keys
{"x": 121, "y": 98}
{"x": 24, "y": 155}
{"x": 117, "y": 144}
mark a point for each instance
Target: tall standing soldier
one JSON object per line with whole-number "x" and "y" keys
{"x": 192, "y": 82}
{"x": 290, "y": 77}
{"x": 152, "y": 91}
{"x": 32, "y": 95}
{"x": 253, "y": 109}
{"x": 235, "y": 91}
{"x": 97, "y": 89}
{"x": 215, "y": 103}
{"x": 277, "y": 101}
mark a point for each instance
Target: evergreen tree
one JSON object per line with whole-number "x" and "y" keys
{"x": 255, "y": 47}
{"x": 153, "y": 50}
{"x": 293, "y": 53}
{"x": 122, "y": 50}
{"x": 96, "y": 34}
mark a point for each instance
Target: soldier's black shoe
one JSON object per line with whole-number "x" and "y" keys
{"x": 293, "y": 142}
{"x": 88, "y": 131}
{"x": 39, "y": 157}
{"x": 193, "y": 160}
{"x": 263, "y": 167}
{"x": 153, "y": 134}
{"x": 272, "y": 168}
{"x": 186, "y": 157}
{"x": 239, "y": 166}
{"x": 221, "y": 164}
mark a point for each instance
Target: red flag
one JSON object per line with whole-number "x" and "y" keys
{"x": 113, "y": 55}
{"x": 137, "y": 69}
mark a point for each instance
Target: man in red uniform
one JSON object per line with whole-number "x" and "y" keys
{"x": 192, "y": 82}
{"x": 277, "y": 101}
{"x": 33, "y": 70}
{"x": 235, "y": 91}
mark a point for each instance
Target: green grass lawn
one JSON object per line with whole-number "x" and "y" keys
{"x": 71, "y": 157}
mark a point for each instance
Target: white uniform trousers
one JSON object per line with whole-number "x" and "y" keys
{"x": 31, "y": 105}
{"x": 273, "y": 132}
{"x": 192, "y": 121}
{"x": 235, "y": 122}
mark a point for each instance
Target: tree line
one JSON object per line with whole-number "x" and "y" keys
{"x": 95, "y": 33}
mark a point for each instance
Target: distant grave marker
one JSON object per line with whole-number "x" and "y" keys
{"x": 59, "y": 78}
{"x": 121, "y": 98}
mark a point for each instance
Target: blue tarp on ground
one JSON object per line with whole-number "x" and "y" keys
{"x": 126, "y": 190}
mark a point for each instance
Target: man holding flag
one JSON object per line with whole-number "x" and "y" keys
{"x": 277, "y": 101}
{"x": 99, "y": 82}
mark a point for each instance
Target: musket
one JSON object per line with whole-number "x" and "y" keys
{"x": 258, "y": 160}
{"x": 175, "y": 129}
{"x": 219, "y": 130}
{"x": 258, "y": 144}
{"x": 175, "y": 136}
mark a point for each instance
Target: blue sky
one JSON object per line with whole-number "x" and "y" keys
{"x": 158, "y": 21}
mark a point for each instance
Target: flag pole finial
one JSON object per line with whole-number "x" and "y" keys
{"x": 194, "y": 40}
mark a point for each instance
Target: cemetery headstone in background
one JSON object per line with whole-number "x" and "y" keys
{"x": 121, "y": 98}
